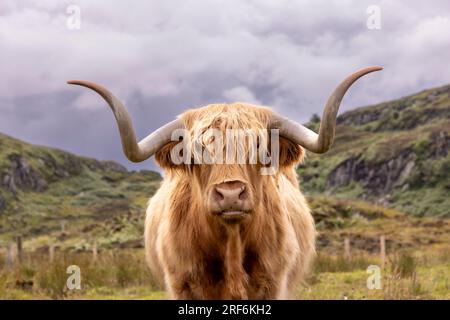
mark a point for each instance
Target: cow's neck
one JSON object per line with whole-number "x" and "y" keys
{"x": 234, "y": 272}
{"x": 230, "y": 252}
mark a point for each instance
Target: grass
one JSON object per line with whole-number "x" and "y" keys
{"x": 426, "y": 283}
{"x": 122, "y": 274}
{"x": 338, "y": 263}
{"x": 406, "y": 275}
{"x": 114, "y": 273}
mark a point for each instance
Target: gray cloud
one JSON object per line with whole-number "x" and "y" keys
{"x": 161, "y": 58}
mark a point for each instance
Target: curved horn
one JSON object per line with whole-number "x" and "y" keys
{"x": 319, "y": 143}
{"x": 134, "y": 151}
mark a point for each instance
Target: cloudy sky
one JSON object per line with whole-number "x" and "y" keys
{"x": 161, "y": 57}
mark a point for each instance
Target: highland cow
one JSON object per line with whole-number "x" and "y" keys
{"x": 224, "y": 230}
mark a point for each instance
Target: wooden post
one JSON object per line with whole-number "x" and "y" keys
{"x": 63, "y": 226}
{"x": 382, "y": 250}
{"x": 10, "y": 257}
{"x": 347, "y": 253}
{"x": 94, "y": 251}
{"x": 51, "y": 253}
{"x": 19, "y": 249}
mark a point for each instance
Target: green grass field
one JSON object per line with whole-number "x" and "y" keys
{"x": 124, "y": 276}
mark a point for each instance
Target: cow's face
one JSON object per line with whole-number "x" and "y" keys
{"x": 229, "y": 192}
{"x": 221, "y": 154}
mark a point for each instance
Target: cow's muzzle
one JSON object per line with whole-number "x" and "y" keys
{"x": 231, "y": 200}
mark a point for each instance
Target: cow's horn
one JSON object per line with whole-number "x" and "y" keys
{"x": 319, "y": 143}
{"x": 134, "y": 151}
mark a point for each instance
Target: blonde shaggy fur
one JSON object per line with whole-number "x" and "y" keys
{"x": 197, "y": 256}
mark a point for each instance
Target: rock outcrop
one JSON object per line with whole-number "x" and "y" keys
{"x": 378, "y": 178}
{"x": 23, "y": 176}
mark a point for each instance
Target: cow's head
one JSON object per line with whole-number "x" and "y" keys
{"x": 226, "y": 151}
{"x": 231, "y": 153}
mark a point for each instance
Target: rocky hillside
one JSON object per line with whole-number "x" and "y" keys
{"x": 45, "y": 191}
{"x": 395, "y": 153}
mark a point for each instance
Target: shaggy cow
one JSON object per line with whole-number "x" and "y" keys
{"x": 225, "y": 231}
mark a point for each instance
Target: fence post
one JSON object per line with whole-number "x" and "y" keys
{"x": 94, "y": 251}
{"x": 347, "y": 252}
{"x": 63, "y": 226}
{"x": 383, "y": 250}
{"x": 51, "y": 253}
{"x": 10, "y": 256}
{"x": 19, "y": 249}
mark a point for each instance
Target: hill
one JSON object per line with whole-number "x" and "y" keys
{"x": 395, "y": 153}
{"x": 46, "y": 192}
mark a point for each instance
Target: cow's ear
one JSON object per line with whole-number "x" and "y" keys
{"x": 163, "y": 157}
{"x": 290, "y": 153}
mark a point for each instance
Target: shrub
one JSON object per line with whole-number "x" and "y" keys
{"x": 403, "y": 265}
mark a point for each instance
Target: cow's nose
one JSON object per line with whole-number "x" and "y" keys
{"x": 230, "y": 195}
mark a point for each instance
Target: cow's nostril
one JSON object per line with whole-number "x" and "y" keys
{"x": 244, "y": 194}
{"x": 217, "y": 195}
